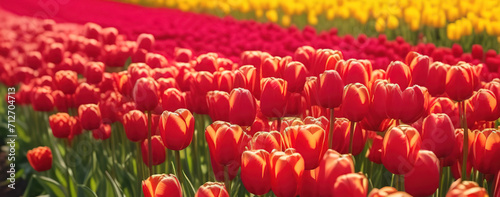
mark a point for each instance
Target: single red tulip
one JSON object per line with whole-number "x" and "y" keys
{"x": 255, "y": 171}
{"x": 295, "y": 74}
{"x": 145, "y": 94}
{"x": 310, "y": 91}
{"x": 355, "y": 71}
{"x": 41, "y": 99}
{"x": 207, "y": 62}
{"x": 379, "y": 94}
{"x": 86, "y": 94}
{"x": 465, "y": 188}
{"x": 374, "y": 154}
{"x": 145, "y": 41}
{"x": 60, "y": 125}
{"x": 102, "y": 133}
{"x": 423, "y": 179}
{"x": 242, "y": 107}
{"x": 157, "y": 148}
{"x": 305, "y": 55}
{"x": 182, "y": 55}
{"x": 485, "y": 106}
{"x": 354, "y": 184}
{"x": 331, "y": 167}
{"x": 94, "y": 72}
{"x": 286, "y": 170}
{"x": 387, "y": 192}
{"x": 271, "y": 67}
{"x": 66, "y": 81}
{"x": 177, "y": 129}
{"x": 225, "y": 142}
{"x": 267, "y": 141}
{"x": 399, "y": 73}
{"x": 135, "y": 125}
{"x": 356, "y": 102}
{"x": 218, "y": 105}
{"x": 307, "y": 140}
{"x": 341, "y": 137}
{"x": 173, "y": 99}
{"x": 400, "y": 149}
{"x": 273, "y": 97}
{"x": 438, "y": 135}
{"x": 486, "y": 147}
{"x": 40, "y": 158}
{"x": 212, "y": 189}
{"x": 419, "y": 70}
{"x": 90, "y": 116}
{"x": 162, "y": 185}
{"x": 330, "y": 89}
{"x": 436, "y": 80}
{"x": 245, "y": 77}
{"x": 224, "y": 80}
{"x": 459, "y": 82}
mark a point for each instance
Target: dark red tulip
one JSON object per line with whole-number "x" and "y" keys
{"x": 177, "y": 129}
{"x": 286, "y": 170}
{"x": 255, "y": 173}
{"x": 157, "y": 148}
{"x": 60, "y": 125}
{"x": 145, "y": 41}
{"x": 154, "y": 60}
{"x": 399, "y": 73}
{"x": 135, "y": 125}
{"x": 295, "y": 74}
{"x": 273, "y": 97}
{"x": 356, "y": 102}
{"x": 438, "y": 135}
{"x": 423, "y": 179}
{"x": 173, "y": 99}
{"x": 145, "y": 94}
{"x": 102, "y": 133}
{"x": 308, "y": 140}
{"x": 66, "y": 81}
{"x": 330, "y": 88}
{"x": 400, "y": 149}
{"x": 109, "y": 107}
{"x": 242, "y": 107}
{"x": 40, "y": 158}
{"x": 459, "y": 82}
{"x": 477, "y": 52}
{"x": 182, "y": 55}
{"x": 354, "y": 184}
{"x": 90, "y": 116}
{"x": 212, "y": 189}
{"x": 332, "y": 166}
{"x": 162, "y": 185}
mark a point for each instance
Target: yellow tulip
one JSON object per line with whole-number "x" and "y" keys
{"x": 380, "y": 25}
{"x": 286, "y": 20}
{"x": 392, "y": 22}
{"x": 272, "y": 16}
{"x": 312, "y": 19}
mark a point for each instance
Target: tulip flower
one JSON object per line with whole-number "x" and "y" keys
{"x": 307, "y": 140}
{"x": 423, "y": 179}
{"x": 332, "y": 166}
{"x": 158, "y": 150}
{"x": 86, "y": 94}
{"x": 286, "y": 170}
{"x": 486, "y": 147}
{"x": 436, "y": 80}
{"x": 379, "y": 93}
{"x": 212, "y": 189}
{"x": 273, "y": 97}
{"x": 374, "y": 154}
{"x": 40, "y": 158}
{"x": 329, "y": 95}
{"x": 354, "y": 184}
{"x": 242, "y": 107}
{"x": 182, "y": 55}
{"x": 166, "y": 83}
{"x": 438, "y": 135}
{"x": 60, "y": 125}
{"x": 309, "y": 183}
{"x": 245, "y": 77}
{"x": 218, "y": 105}
{"x": 94, "y": 72}
{"x": 255, "y": 171}
{"x": 41, "y": 99}
{"x": 399, "y": 73}
{"x": 66, "y": 81}
{"x": 387, "y": 192}
{"x": 459, "y": 82}
{"x": 173, "y": 99}
{"x": 176, "y": 129}
{"x": 295, "y": 74}
{"x": 419, "y": 70}
{"x": 135, "y": 125}
{"x": 355, "y": 71}
{"x": 145, "y": 94}
{"x": 400, "y": 149}
{"x": 102, "y": 133}
{"x": 469, "y": 188}
{"x": 162, "y": 185}
{"x": 408, "y": 105}
{"x": 207, "y": 62}
{"x": 325, "y": 59}
{"x": 224, "y": 80}
{"x": 139, "y": 70}
{"x": 224, "y": 141}
{"x": 90, "y": 116}
{"x": 267, "y": 141}
{"x": 356, "y": 102}
{"x": 485, "y": 106}
{"x": 271, "y": 67}
{"x": 304, "y": 55}
{"x": 342, "y": 137}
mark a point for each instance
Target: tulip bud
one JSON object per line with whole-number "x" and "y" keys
{"x": 60, "y": 125}
{"x": 40, "y": 158}
{"x": 177, "y": 129}
{"x": 245, "y": 77}
{"x": 287, "y": 169}
{"x": 486, "y": 148}
{"x": 173, "y": 99}
{"x": 308, "y": 140}
{"x": 157, "y": 148}
{"x": 469, "y": 188}
{"x": 331, "y": 167}
{"x": 423, "y": 179}
{"x": 90, "y": 116}
{"x": 218, "y": 105}
{"x": 267, "y": 141}
{"x": 273, "y": 97}
{"x": 135, "y": 125}
{"x": 399, "y": 73}
{"x": 354, "y": 184}
{"x": 400, "y": 149}
{"x": 224, "y": 80}
{"x": 94, "y": 72}
{"x": 356, "y": 102}
{"x": 420, "y": 70}
{"x": 255, "y": 171}
{"x": 355, "y": 71}
{"x": 41, "y": 99}
{"x": 438, "y": 135}
{"x": 66, "y": 81}
{"x": 485, "y": 106}
{"x": 242, "y": 107}
{"x": 459, "y": 82}
{"x": 162, "y": 185}
{"x": 329, "y": 89}
{"x": 295, "y": 74}
{"x": 212, "y": 189}
{"x": 145, "y": 94}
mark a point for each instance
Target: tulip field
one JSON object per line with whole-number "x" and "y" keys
{"x": 151, "y": 98}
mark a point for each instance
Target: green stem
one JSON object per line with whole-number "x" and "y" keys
{"x": 113, "y": 152}
{"x": 150, "y": 149}
{"x": 351, "y": 135}
{"x": 441, "y": 182}
{"x": 465, "y": 146}
{"x": 330, "y": 134}
{"x": 66, "y": 155}
{"x": 227, "y": 182}
{"x": 138, "y": 162}
{"x": 179, "y": 166}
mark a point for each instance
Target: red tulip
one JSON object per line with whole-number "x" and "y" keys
{"x": 145, "y": 94}
{"x": 408, "y": 105}
{"x": 486, "y": 148}
{"x": 305, "y": 55}
{"x": 399, "y": 73}
{"x": 465, "y": 188}
{"x": 94, "y": 72}
{"x": 295, "y": 74}
{"x": 177, "y": 129}
{"x": 218, "y": 105}
{"x": 379, "y": 93}
{"x": 102, "y": 133}
{"x": 331, "y": 167}
{"x": 325, "y": 59}
{"x": 224, "y": 80}
{"x": 242, "y": 107}
{"x": 66, "y": 81}
{"x": 341, "y": 137}
{"x": 387, "y": 192}
{"x": 446, "y": 106}
{"x": 173, "y": 99}
{"x": 354, "y": 184}
{"x": 212, "y": 189}
{"x": 310, "y": 91}
{"x": 255, "y": 171}
{"x": 202, "y": 82}
{"x": 154, "y": 60}
{"x": 139, "y": 70}
{"x": 273, "y": 97}
{"x": 451, "y": 159}
{"x": 162, "y": 185}
{"x": 207, "y": 62}
{"x": 135, "y": 125}
{"x": 308, "y": 140}
{"x": 60, "y": 125}
{"x": 436, "y": 80}
{"x": 419, "y": 70}
{"x": 40, "y": 158}
{"x": 86, "y": 94}
{"x": 267, "y": 141}
{"x": 423, "y": 179}
{"x": 356, "y": 102}
{"x": 355, "y": 71}
{"x": 90, "y": 116}
{"x": 459, "y": 82}
{"x": 158, "y": 151}
{"x": 286, "y": 170}
{"x": 225, "y": 142}
{"x": 145, "y": 41}
{"x": 438, "y": 135}
{"x": 271, "y": 67}
{"x": 375, "y": 152}
{"x": 109, "y": 106}
{"x": 485, "y": 106}
{"x": 182, "y": 55}
{"x": 166, "y": 83}
{"x": 400, "y": 149}
{"x": 245, "y": 77}
{"x": 41, "y": 99}
{"x": 309, "y": 183}
{"x": 329, "y": 89}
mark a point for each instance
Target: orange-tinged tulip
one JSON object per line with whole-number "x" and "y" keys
{"x": 308, "y": 140}
{"x": 356, "y": 102}
{"x": 245, "y": 77}
{"x": 40, "y": 158}
{"x": 355, "y": 71}
{"x": 387, "y": 192}
{"x": 176, "y": 129}
{"x": 399, "y": 73}
{"x": 485, "y": 106}
{"x": 225, "y": 142}
{"x": 90, "y": 116}
{"x": 145, "y": 94}
{"x": 102, "y": 133}
{"x": 255, "y": 171}
{"x": 331, "y": 167}
{"x": 162, "y": 185}
{"x": 286, "y": 170}
{"x": 324, "y": 59}
{"x": 224, "y": 80}
{"x": 354, "y": 184}
{"x": 423, "y": 179}
{"x": 157, "y": 148}
{"x": 295, "y": 74}
{"x": 218, "y": 105}
{"x": 66, "y": 81}
{"x": 486, "y": 148}
{"x": 267, "y": 141}
{"x": 438, "y": 135}
{"x": 212, "y": 189}
{"x": 304, "y": 54}
{"x": 273, "y": 97}
{"x": 466, "y": 188}
{"x": 271, "y": 67}
{"x": 242, "y": 107}
{"x": 459, "y": 82}
{"x": 135, "y": 125}
{"x": 60, "y": 125}
{"x": 400, "y": 149}
{"x": 330, "y": 89}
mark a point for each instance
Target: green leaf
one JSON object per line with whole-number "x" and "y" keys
{"x": 116, "y": 189}
{"x": 51, "y": 186}
{"x": 191, "y": 188}
{"x": 85, "y": 191}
